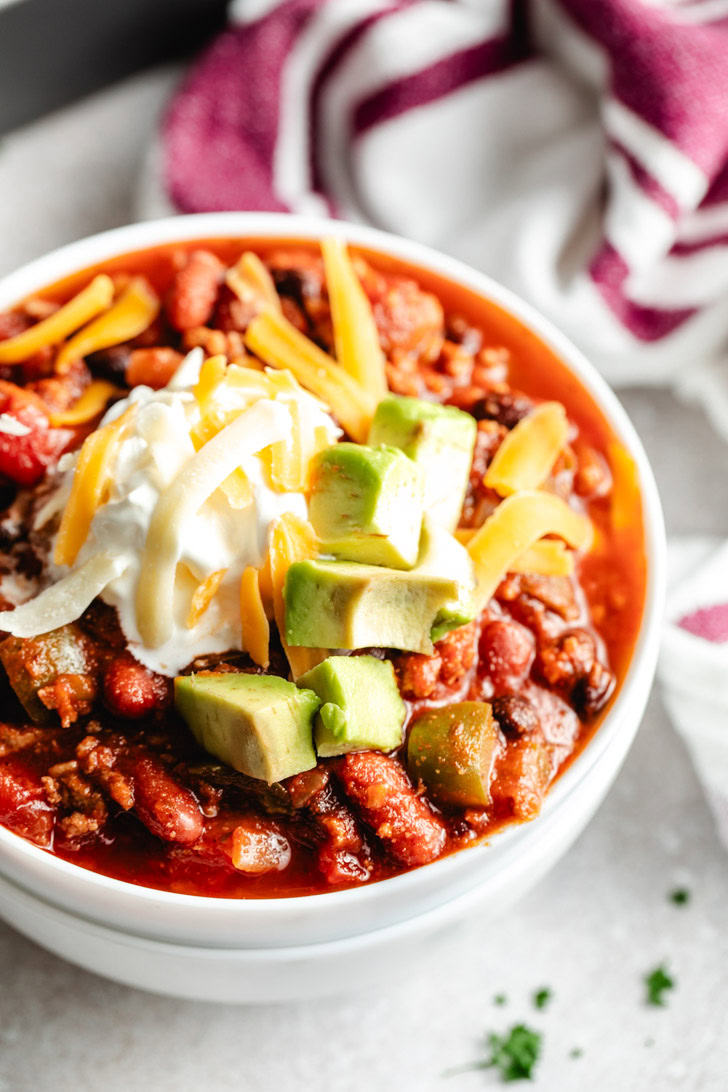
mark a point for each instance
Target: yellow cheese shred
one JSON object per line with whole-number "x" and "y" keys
{"x": 223, "y": 391}
{"x": 252, "y": 283}
{"x": 529, "y": 451}
{"x": 211, "y": 374}
{"x": 256, "y": 631}
{"x": 95, "y": 297}
{"x": 356, "y": 338}
{"x": 277, "y": 342}
{"x": 291, "y": 540}
{"x": 517, "y": 523}
{"x": 89, "y": 490}
{"x": 92, "y": 402}
{"x": 285, "y": 460}
{"x": 203, "y": 595}
{"x": 547, "y": 557}
{"x": 132, "y": 314}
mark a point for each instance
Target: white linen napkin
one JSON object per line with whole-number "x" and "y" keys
{"x": 693, "y": 666}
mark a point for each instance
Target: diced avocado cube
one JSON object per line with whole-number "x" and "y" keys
{"x": 441, "y": 555}
{"x": 341, "y": 604}
{"x": 361, "y": 710}
{"x": 261, "y": 725}
{"x": 34, "y": 662}
{"x": 366, "y": 504}
{"x": 453, "y": 751}
{"x": 440, "y": 439}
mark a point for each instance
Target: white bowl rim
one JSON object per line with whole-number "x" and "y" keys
{"x": 77, "y": 256}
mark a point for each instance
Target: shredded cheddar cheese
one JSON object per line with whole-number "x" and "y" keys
{"x": 529, "y": 451}
{"x": 95, "y": 297}
{"x": 91, "y": 480}
{"x": 203, "y": 595}
{"x": 256, "y": 630}
{"x": 277, "y": 342}
{"x": 92, "y": 402}
{"x": 547, "y": 557}
{"x": 252, "y": 283}
{"x": 356, "y": 338}
{"x": 516, "y": 524}
{"x": 291, "y": 540}
{"x": 132, "y": 314}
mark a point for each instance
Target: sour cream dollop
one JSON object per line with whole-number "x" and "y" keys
{"x": 156, "y": 451}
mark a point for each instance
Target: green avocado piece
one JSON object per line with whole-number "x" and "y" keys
{"x": 453, "y": 751}
{"x": 440, "y": 439}
{"x": 366, "y": 504}
{"x": 34, "y": 662}
{"x": 261, "y": 725}
{"x": 361, "y": 709}
{"x": 342, "y": 604}
{"x": 442, "y": 555}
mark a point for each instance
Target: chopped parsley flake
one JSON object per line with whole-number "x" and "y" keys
{"x": 514, "y": 1055}
{"x": 542, "y": 997}
{"x": 500, "y": 999}
{"x": 657, "y": 982}
{"x": 576, "y": 1052}
{"x": 680, "y": 896}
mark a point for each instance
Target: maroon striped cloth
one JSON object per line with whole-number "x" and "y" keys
{"x": 576, "y": 150}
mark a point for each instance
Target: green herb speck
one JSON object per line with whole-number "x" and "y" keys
{"x": 680, "y": 896}
{"x": 542, "y": 997}
{"x": 514, "y": 1055}
{"x": 657, "y": 983}
{"x": 576, "y": 1052}
{"x": 500, "y": 1000}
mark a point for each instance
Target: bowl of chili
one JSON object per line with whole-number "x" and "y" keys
{"x": 132, "y": 839}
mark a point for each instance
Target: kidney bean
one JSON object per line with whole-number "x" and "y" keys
{"x": 166, "y": 808}
{"x": 506, "y": 654}
{"x": 194, "y": 290}
{"x": 13, "y": 323}
{"x": 23, "y": 805}
{"x": 110, "y": 363}
{"x": 132, "y": 690}
{"x": 505, "y": 407}
{"x": 516, "y": 715}
{"x": 593, "y": 691}
{"x": 152, "y": 367}
{"x": 384, "y": 796}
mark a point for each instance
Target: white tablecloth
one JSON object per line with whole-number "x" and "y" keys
{"x": 590, "y": 931}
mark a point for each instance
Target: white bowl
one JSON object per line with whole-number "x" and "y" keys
{"x": 280, "y": 949}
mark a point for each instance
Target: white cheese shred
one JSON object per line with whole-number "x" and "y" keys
{"x": 64, "y": 601}
{"x": 264, "y": 423}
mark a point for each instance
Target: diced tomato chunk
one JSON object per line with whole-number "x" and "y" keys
{"x": 25, "y": 458}
{"x": 23, "y": 805}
